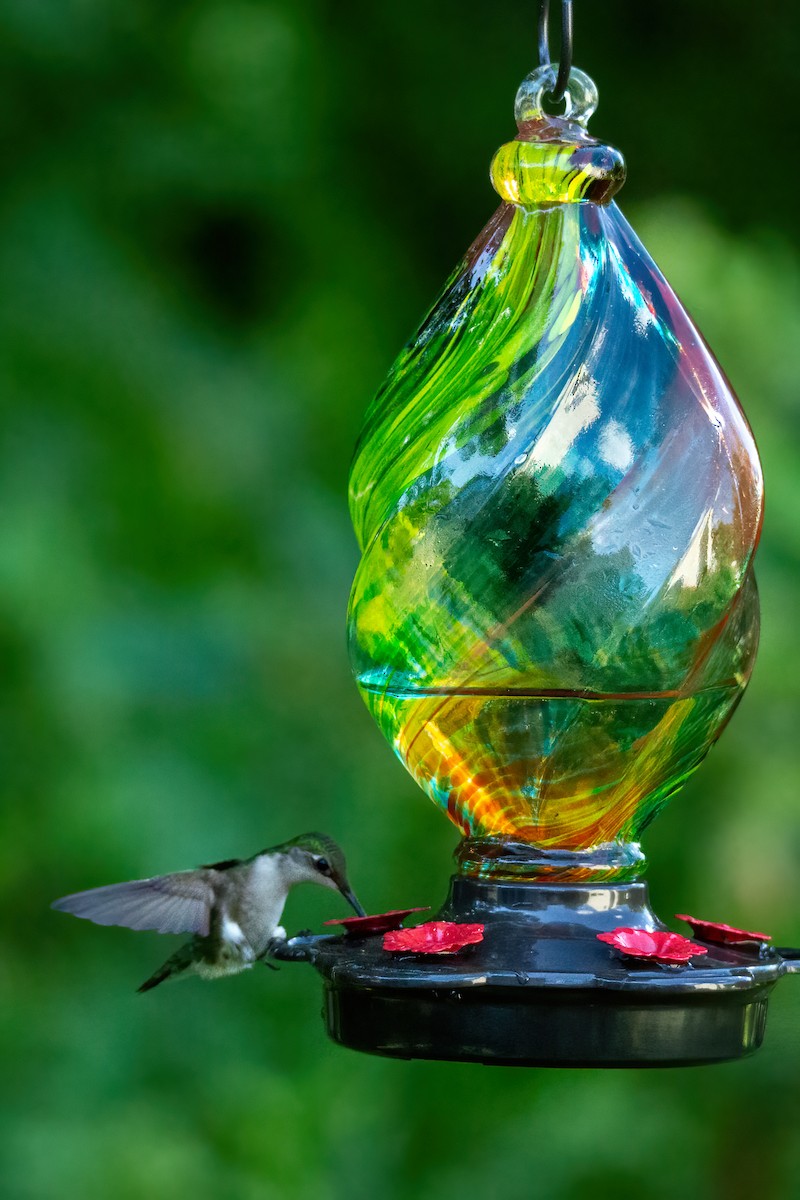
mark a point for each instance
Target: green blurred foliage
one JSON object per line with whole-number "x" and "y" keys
{"x": 218, "y": 222}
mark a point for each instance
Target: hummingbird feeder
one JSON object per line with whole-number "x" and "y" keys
{"x": 558, "y": 500}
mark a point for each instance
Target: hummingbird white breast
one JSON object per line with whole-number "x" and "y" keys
{"x": 261, "y": 901}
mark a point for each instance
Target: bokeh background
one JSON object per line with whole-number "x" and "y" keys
{"x": 219, "y": 221}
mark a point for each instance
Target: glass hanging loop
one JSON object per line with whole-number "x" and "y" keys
{"x": 580, "y": 96}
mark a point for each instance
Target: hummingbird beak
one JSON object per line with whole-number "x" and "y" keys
{"x": 350, "y": 897}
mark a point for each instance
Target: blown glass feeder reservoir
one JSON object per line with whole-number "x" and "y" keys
{"x": 558, "y": 500}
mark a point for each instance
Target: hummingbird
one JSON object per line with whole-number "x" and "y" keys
{"x": 233, "y": 908}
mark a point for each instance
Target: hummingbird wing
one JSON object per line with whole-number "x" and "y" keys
{"x": 179, "y": 903}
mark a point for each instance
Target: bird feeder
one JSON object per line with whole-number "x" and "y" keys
{"x": 558, "y": 500}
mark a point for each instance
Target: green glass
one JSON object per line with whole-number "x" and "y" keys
{"x": 558, "y": 499}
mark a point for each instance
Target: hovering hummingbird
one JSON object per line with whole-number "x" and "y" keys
{"x": 232, "y": 907}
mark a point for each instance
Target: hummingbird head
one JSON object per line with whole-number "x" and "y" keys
{"x": 317, "y": 858}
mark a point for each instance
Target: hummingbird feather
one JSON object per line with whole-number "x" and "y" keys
{"x": 180, "y": 961}
{"x": 178, "y": 903}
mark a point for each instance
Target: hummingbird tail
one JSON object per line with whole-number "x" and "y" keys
{"x": 158, "y": 977}
{"x": 178, "y": 962}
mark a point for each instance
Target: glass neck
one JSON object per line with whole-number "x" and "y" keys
{"x": 500, "y": 858}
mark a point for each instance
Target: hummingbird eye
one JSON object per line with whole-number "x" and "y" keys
{"x": 322, "y": 865}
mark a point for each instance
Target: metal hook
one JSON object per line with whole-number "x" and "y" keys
{"x": 565, "y": 57}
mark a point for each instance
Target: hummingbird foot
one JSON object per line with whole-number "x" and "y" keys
{"x": 301, "y": 947}
{"x": 273, "y": 946}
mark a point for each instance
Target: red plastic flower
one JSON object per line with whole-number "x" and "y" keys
{"x": 434, "y": 937}
{"x": 724, "y": 935}
{"x": 657, "y": 944}
{"x": 378, "y": 923}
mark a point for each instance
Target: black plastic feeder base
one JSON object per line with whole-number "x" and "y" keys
{"x": 541, "y": 990}
{"x": 571, "y": 1029}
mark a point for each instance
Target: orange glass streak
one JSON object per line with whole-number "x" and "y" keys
{"x": 466, "y": 795}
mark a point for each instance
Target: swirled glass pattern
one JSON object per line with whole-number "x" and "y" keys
{"x": 558, "y": 500}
